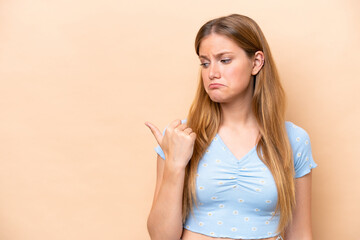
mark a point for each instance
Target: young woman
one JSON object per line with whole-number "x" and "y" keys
{"x": 234, "y": 168}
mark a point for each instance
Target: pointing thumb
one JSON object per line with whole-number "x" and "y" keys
{"x": 155, "y": 131}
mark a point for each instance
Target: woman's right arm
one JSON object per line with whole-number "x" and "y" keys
{"x": 165, "y": 218}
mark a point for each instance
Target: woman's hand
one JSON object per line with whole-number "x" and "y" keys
{"x": 177, "y": 142}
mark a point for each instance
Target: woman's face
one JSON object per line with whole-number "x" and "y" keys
{"x": 226, "y": 69}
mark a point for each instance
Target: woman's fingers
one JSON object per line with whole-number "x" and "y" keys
{"x": 188, "y": 130}
{"x": 181, "y": 127}
{"x": 193, "y": 135}
{"x": 155, "y": 131}
{"x": 176, "y": 124}
{"x": 177, "y": 142}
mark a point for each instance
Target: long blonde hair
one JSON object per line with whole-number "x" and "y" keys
{"x": 268, "y": 105}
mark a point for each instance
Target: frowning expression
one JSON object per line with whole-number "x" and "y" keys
{"x": 226, "y": 69}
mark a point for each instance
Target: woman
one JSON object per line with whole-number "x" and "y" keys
{"x": 234, "y": 164}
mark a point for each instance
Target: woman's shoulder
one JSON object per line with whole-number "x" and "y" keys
{"x": 295, "y": 132}
{"x": 300, "y": 143}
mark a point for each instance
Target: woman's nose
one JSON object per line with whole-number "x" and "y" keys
{"x": 214, "y": 71}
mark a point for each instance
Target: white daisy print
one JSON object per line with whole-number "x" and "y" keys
{"x": 187, "y": 226}
{"x": 307, "y": 158}
{"x": 253, "y": 228}
{"x": 235, "y": 212}
{"x": 221, "y": 183}
{"x": 210, "y": 213}
{"x": 207, "y": 150}
{"x": 297, "y": 139}
{"x": 217, "y": 160}
{"x": 212, "y": 233}
{"x": 219, "y": 222}
{"x": 221, "y": 206}
{"x": 257, "y": 210}
{"x": 267, "y": 222}
{"x": 205, "y": 165}
{"x": 246, "y": 219}
{"x": 241, "y": 200}
{"x": 268, "y": 201}
{"x": 299, "y": 154}
{"x": 213, "y": 198}
{"x": 262, "y": 181}
{"x": 306, "y": 142}
{"x": 258, "y": 189}
{"x": 234, "y": 229}
{"x": 201, "y": 224}
{"x": 201, "y": 188}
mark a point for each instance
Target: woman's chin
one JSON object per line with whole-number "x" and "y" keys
{"x": 217, "y": 99}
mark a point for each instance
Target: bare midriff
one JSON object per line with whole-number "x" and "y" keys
{"x": 189, "y": 235}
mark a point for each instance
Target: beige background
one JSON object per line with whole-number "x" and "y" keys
{"x": 80, "y": 78}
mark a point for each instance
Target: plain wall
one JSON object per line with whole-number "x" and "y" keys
{"x": 80, "y": 78}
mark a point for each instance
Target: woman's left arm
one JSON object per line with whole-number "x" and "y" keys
{"x": 300, "y": 227}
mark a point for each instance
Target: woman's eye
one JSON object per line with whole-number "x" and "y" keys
{"x": 226, "y": 60}
{"x": 204, "y": 64}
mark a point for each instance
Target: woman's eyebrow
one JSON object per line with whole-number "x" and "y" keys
{"x": 216, "y": 56}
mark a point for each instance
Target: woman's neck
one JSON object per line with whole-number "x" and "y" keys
{"x": 237, "y": 115}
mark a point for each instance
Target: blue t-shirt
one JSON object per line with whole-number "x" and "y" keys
{"x": 237, "y": 197}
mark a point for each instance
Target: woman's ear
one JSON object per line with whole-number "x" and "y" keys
{"x": 258, "y": 62}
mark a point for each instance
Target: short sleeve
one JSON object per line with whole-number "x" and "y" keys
{"x": 158, "y": 148}
{"x": 301, "y": 146}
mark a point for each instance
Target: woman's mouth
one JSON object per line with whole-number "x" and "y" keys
{"x": 215, "y": 85}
